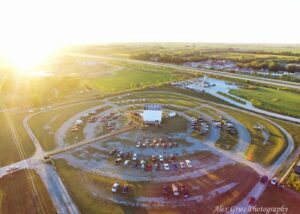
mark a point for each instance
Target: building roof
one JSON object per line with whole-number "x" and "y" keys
{"x": 156, "y": 107}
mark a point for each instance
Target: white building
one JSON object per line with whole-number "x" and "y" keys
{"x": 152, "y": 114}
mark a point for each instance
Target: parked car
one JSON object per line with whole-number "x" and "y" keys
{"x": 148, "y": 168}
{"x": 153, "y": 158}
{"x": 251, "y": 201}
{"x": 120, "y": 154}
{"x": 264, "y": 179}
{"x": 118, "y": 160}
{"x": 166, "y": 166}
{"x": 115, "y": 187}
{"x": 142, "y": 162}
{"x": 138, "y": 144}
{"x": 175, "y": 190}
{"x": 125, "y": 189}
{"x": 165, "y": 189}
{"x": 274, "y": 181}
{"x": 157, "y": 166}
{"x": 189, "y": 163}
{"x": 182, "y": 165}
{"x": 161, "y": 158}
{"x": 175, "y": 166}
{"x": 172, "y": 157}
{"x": 126, "y": 162}
{"x": 184, "y": 191}
{"x": 134, "y": 157}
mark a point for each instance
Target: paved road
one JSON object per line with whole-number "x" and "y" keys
{"x": 268, "y": 81}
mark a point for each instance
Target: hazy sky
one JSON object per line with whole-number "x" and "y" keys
{"x": 57, "y": 22}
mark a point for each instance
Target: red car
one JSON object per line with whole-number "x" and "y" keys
{"x": 148, "y": 168}
{"x": 251, "y": 201}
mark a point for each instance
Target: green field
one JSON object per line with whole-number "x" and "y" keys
{"x": 227, "y": 141}
{"x": 134, "y": 76}
{"x": 279, "y": 101}
{"x": 9, "y": 151}
{"x": 45, "y": 124}
{"x": 267, "y": 153}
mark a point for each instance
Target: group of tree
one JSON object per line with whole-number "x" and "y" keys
{"x": 242, "y": 61}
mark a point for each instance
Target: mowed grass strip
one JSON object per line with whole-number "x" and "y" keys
{"x": 280, "y": 101}
{"x": 45, "y": 124}
{"x": 267, "y": 153}
{"x": 9, "y": 151}
{"x": 17, "y": 195}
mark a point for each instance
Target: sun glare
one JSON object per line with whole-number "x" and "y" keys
{"x": 24, "y": 58}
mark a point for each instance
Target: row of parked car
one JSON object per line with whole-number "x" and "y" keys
{"x": 156, "y": 145}
{"x": 176, "y": 191}
{"x": 116, "y": 186}
{"x": 156, "y": 160}
{"x": 88, "y": 117}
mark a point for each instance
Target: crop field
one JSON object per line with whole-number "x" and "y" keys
{"x": 279, "y": 101}
{"x": 17, "y": 195}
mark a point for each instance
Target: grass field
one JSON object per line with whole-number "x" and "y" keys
{"x": 44, "y": 125}
{"x": 82, "y": 196}
{"x": 17, "y": 195}
{"x": 9, "y": 151}
{"x": 271, "y": 99}
{"x": 133, "y": 76}
{"x": 227, "y": 141}
{"x": 267, "y": 153}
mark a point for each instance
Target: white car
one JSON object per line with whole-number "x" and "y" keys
{"x": 115, "y": 187}
{"x": 274, "y": 181}
{"x": 142, "y": 162}
{"x": 166, "y": 165}
{"x": 188, "y": 163}
{"x": 182, "y": 165}
{"x": 134, "y": 157}
{"x": 138, "y": 144}
{"x": 126, "y": 163}
{"x": 161, "y": 158}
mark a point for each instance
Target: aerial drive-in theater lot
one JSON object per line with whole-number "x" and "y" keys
{"x": 183, "y": 143}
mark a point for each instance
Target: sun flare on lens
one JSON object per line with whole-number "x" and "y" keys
{"x": 25, "y": 57}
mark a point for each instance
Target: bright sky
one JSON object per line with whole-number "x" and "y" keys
{"x": 47, "y": 24}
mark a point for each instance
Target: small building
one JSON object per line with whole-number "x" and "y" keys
{"x": 152, "y": 114}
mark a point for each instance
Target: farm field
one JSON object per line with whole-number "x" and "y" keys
{"x": 10, "y": 151}
{"x": 16, "y": 190}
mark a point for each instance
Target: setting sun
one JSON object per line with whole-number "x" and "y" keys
{"x": 24, "y": 57}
